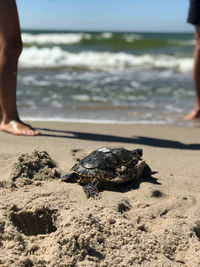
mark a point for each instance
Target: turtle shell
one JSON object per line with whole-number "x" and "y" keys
{"x": 105, "y": 163}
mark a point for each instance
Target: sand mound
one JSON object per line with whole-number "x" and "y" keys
{"x": 36, "y": 166}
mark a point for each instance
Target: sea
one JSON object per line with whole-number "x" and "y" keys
{"x": 106, "y": 77}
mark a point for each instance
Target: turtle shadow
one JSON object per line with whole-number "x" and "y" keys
{"x": 93, "y": 189}
{"x": 134, "y": 185}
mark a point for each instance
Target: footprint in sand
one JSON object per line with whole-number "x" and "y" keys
{"x": 38, "y": 222}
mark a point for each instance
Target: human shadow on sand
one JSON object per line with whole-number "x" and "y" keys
{"x": 140, "y": 140}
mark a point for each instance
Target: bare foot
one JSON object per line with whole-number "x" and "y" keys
{"x": 194, "y": 114}
{"x": 17, "y": 128}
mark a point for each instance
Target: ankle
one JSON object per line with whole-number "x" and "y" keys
{"x": 197, "y": 108}
{"x": 11, "y": 117}
{"x": 8, "y": 120}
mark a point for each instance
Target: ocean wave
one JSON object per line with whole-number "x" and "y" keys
{"x": 182, "y": 42}
{"x": 55, "y": 57}
{"x": 132, "y": 37}
{"x": 106, "y": 35}
{"x": 54, "y": 38}
{"x": 112, "y": 41}
{"x": 62, "y": 38}
{"x": 96, "y": 121}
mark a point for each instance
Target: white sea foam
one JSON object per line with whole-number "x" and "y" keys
{"x": 95, "y": 121}
{"x": 81, "y": 98}
{"x": 183, "y": 42}
{"x": 107, "y": 35}
{"x": 132, "y": 37}
{"x": 54, "y": 38}
{"x": 31, "y": 80}
{"x": 56, "y": 104}
{"x": 55, "y": 57}
{"x": 135, "y": 85}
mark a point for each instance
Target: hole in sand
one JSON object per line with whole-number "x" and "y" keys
{"x": 123, "y": 206}
{"x": 196, "y": 229}
{"x": 157, "y": 193}
{"x": 142, "y": 228}
{"x": 35, "y": 223}
{"x": 27, "y": 263}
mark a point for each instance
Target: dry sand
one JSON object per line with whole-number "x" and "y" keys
{"x": 46, "y": 222}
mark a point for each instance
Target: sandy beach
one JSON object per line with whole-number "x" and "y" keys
{"x": 46, "y": 222}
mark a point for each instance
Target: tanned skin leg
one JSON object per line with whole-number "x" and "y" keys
{"x": 10, "y": 49}
{"x": 195, "y": 113}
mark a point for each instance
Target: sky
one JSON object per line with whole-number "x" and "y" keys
{"x": 105, "y": 15}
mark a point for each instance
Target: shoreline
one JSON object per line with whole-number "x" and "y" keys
{"x": 179, "y": 123}
{"x": 159, "y": 228}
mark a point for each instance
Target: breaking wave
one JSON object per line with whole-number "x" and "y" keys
{"x": 56, "y": 57}
{"x": 62, "y": 38}
{"x": 54, "y": 38}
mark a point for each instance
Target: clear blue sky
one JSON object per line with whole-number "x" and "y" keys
{"x": 117, "y": 15}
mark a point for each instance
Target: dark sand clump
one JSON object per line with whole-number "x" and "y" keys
{"x": 36, "y": 166}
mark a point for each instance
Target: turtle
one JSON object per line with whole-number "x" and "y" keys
{"x": 108, "y": 165}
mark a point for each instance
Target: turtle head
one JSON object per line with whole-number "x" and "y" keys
{"x": 138, "y": 151}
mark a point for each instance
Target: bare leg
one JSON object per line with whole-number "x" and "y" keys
{"x": 10, "y": 49}
{"x": 195, "y": 113}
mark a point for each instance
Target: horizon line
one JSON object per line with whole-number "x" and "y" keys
{"x": 113, "y": 31}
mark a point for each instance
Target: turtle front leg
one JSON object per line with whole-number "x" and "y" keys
{"x": 92, "y": 189}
